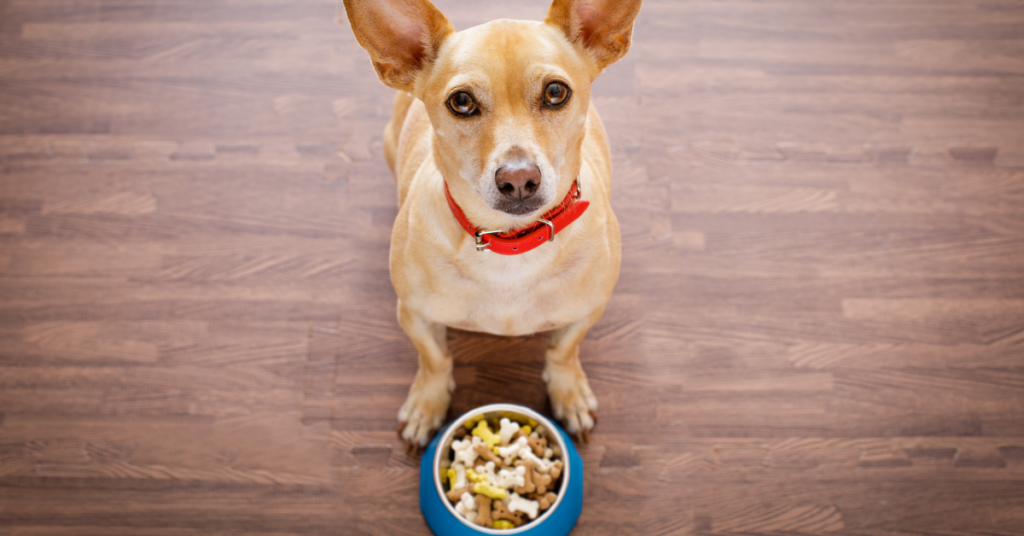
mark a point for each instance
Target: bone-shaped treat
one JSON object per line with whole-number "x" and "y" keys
{"x": 508, "y": 429}
{"x": 510, "y": 452}
{"x": 544, "y": 501}
{"x": 483, "y": 511}
{"x": 455, "y": 494}
{"x": 521, "y": 504}
{"x": 528, "y": 467}
{"x": 457, "y": 476}
{"x": 543, "y": 466}
{"x": 483, "y": 488}
{"x": 500, "y": 511}
{"x": 486, "y": 453}
{"x": 542, "y": 481}
{"x": 464, "y": 452}
{"x": 484, "y": 432}
{"x": 556, "y": 470}
{"x": 511, "y": 478}
{"x": 474, "y": 476}
{"x": 485, "y": 473}
{"x": 466, "y": 507}
{"x": 537, "y": 443}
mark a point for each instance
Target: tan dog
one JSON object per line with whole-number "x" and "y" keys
{"x": 501, "y": 114}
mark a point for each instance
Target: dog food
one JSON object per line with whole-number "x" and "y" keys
{"x": 502, "y": 473}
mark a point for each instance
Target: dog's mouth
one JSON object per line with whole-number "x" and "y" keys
{"x": 519, "y": 207}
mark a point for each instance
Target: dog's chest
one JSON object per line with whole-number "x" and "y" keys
{"x": 508, "y": 295}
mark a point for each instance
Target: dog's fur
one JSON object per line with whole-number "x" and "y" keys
{"x": 439, "y": 276}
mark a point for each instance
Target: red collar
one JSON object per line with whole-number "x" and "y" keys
{"x": 527, "y": 238}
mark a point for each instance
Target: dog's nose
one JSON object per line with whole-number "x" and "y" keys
{"x": 519, "y": 182}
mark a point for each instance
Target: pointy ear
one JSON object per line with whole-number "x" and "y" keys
{"x": 602, "y": 27}
{"x": 402, "y": 36}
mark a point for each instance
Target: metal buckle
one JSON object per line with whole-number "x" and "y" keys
{"x": 551, "y": 225}
{"x": 480, "y": 244}
{"x": 579, "y": 189}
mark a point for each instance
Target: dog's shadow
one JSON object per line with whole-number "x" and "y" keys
{"x": 491, "y": 369}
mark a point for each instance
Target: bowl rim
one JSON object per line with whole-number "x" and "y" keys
{"x": 490, "y": 408}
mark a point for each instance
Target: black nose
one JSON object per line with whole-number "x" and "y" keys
{"x": 519, "y": 183}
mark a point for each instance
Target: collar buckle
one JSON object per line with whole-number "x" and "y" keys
{"x": 480, "y": 244}
{"x": 551, "y": 225}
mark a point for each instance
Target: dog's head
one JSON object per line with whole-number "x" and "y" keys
{"x": 508, "y": 100}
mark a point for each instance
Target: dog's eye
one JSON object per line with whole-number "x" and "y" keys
{"x": 556, "y": 94}
{"x": 462, "y": 103}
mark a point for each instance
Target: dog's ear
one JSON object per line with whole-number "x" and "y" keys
{"x": 602, "y": 27}
{"x": 402, "y": 36}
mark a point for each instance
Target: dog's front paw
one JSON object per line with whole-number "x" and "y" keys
{"x": 424, "y": 410}
{"x": 571, "y": 399}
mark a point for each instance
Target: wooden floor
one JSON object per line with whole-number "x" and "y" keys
{"x": 819, "y": 326}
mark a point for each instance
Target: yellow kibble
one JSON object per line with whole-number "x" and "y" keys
{"x": 452, "y": 476}
{"x": 473, "y": 476}
{"x": 486, "y": 435}
{"x": 472, "y": 422}
{"x": 503, "y": 524}
{"x": 526, "y": 429}
{"x": 495, "y": 450}
{"x": 484, "y": 488}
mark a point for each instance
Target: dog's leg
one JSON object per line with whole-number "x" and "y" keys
{"x": 427, "y": 405}
{"x": 571, "y": 398}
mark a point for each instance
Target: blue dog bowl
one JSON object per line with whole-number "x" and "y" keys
{"x": 558, "y": 520}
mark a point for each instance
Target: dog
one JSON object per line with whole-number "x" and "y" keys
{"x": 503, "y": 169}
